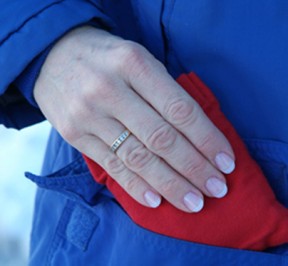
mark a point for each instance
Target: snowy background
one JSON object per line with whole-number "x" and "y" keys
{"x": 20, "y": 151}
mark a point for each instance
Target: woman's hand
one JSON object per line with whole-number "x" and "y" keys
{"x": 94, "y": 85}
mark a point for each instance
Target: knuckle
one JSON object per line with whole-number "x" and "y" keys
{"x": 103, "y": 91}
{"x": 68, "y": 131}
{"x": 194, "y": 168}
{"x": 181, "y": 111}
{"x": 113, "y": 165}
{"x": 132, "y": 59}
{"x": 103, "y": 82}
{"x": 162, "y": 139}
{"x": 169, "y": 187}
{"x": 130, "y": 183}
{"x": 207, "y": 141}
{"x": 102, "y": 88}
{"x": 138, "y": 158}
{"x": 131, "y": 51}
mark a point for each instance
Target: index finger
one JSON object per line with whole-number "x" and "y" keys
{"x": 151, "y": 80}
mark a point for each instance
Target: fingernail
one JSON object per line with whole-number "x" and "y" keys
{"x": 216, "y": 187}
{"x": 225, "y": 163}
{"x": 152, "y": 199}
{"x": 193, "y": 202}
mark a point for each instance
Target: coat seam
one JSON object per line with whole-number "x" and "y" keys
{"x": 28, "y": 20}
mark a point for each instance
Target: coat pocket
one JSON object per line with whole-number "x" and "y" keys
{"x": 272, "y": 156}
{"x": 74, "y": 180}
{"x": 119, "y": 241}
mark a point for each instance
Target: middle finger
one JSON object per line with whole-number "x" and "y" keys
{"x": 168, "y": 143}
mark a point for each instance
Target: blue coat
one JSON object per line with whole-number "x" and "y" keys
{"x": 239, "y": 49}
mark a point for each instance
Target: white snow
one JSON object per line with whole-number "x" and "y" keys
{"x": 20, "y": 151}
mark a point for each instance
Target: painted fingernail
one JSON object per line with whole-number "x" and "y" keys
{"x": 193, "y": 202}
{"x": 152, "y": 199}
{"x": 225, "y": 163}
{"x": 216, "y": 187}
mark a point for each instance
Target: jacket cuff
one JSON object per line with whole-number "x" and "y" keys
{"x": 38, "y": 32}
{"x": 27, "y": 79}
{"x": 25, "y": 82}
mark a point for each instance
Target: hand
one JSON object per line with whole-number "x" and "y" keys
{"x": 94, "y": 85}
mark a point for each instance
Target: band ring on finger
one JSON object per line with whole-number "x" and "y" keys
{"x": 120, "y": 140}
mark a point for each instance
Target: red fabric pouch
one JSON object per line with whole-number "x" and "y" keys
{"x": 248, "y": 217}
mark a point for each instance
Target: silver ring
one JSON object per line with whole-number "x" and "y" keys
{"x": 119, "y": 141}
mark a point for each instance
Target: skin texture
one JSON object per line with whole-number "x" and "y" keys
{"x": 93, "y": 85}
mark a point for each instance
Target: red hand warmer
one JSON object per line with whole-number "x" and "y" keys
{"x": 248, "y": 217}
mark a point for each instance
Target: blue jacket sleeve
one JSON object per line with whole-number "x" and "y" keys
{"x": 25, "y": 82}
{"x": 27, "y": 30}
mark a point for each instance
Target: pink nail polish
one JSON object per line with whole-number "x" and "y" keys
{"x": 216, "y": 187}
{"x": 152, "y": 199}
{"x": 225, "y": 163}
{"x": 193, "y": 202}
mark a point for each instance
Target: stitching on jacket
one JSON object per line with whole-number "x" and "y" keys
{"x": 28, "y": 20}
{"x": 58, "y": 234}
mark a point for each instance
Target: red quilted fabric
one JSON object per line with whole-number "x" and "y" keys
{"x": 248, "y": 217}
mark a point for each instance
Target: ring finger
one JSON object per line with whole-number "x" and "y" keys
{"x": 142, "y": 162}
